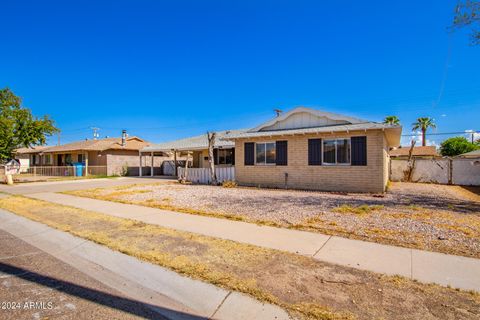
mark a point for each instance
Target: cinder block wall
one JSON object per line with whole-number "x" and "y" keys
{"x": 370, "y": 178}
{"x": 117, "y": 159}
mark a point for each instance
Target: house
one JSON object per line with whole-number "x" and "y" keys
{"x": 475, "y": 154}
{"x": 421, "y": 151}
{"x": 311, "y": 149}
{"x": 115, "y": 155}
{"x": 197, "y": 147}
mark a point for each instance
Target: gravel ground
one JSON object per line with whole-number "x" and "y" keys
{"x": 426, "y": 216}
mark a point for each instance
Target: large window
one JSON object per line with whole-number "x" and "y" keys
{"x": 265, "y": 153}
{"x": 225, "y": 156}
{"x": 47, "y": 159}
{"x": 336, "y": 151}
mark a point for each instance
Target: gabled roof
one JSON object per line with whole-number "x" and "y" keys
{"x": 417, "y": 151}
{"x": 330, "y": 123}
{"x": 338, "y": 118}
{"x": 194, "y": 143}
{"x": 471, "y": 154}
{"x": 132, "y": 143}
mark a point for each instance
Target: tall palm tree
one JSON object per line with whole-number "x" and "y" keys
{"x": 423, "y": 124}
{"x": 391, "y": 120}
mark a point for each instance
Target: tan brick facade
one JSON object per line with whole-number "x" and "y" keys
{"x": 370, "y": 178}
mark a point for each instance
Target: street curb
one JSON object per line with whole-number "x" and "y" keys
{"x": 178, "y": 297}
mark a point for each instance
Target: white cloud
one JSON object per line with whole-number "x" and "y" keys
{"x": 468, "y": 135}
{"x": 417, "y": 136}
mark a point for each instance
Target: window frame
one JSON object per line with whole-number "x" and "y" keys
{"x": 274, "y": 163}
{"x": 225, "y": 150}
{"x": 47, "y": 157}
{"x": 336, "y": 155}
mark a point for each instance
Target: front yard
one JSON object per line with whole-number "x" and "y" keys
{"x": 307, "y": 288}
{"x": 424, "y": 216}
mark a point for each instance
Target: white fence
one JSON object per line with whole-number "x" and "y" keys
{"x": 202, "y": 175}
{"x": 444, "y": 171}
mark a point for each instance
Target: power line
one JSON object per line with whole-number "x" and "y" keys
{"x": 442, "y": 133}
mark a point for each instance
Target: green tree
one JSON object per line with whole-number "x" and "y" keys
{"x": 423, "y": 124}
{"x": 391, "y": 120}
{"x": 18, "y": 127}
{"x": 457, "y": 145}
{"x": 467, "y": 13}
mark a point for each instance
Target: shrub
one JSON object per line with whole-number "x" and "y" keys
{"x": 229, "y": 184}
{"x": 457, "y": 145}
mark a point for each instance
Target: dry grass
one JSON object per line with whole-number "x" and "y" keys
{"x": 358, "y": 210}
{"x": 305, "y": 287}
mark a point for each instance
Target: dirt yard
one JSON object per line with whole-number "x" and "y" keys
{"x": 307, "y": 288}
{"x": 424, "y": 216}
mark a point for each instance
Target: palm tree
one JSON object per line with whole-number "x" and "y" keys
{"x": 392, "y": 120}
{"x": 423, "y": 124}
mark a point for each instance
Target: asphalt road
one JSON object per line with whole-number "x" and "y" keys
{"x": 36, "y": 285}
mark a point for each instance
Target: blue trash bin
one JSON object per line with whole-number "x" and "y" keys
{"x": 78, "y": 169}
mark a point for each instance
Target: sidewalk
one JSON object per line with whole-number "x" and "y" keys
{"x": 456, "y": 271}
{"x": 164, "y": 291}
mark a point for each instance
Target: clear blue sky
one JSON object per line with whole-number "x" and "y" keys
{"x": 169, "y": 69}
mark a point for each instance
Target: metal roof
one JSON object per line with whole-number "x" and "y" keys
{"x": 194, "y": 143}
{"x": 471, "y": 154}
{"x": 314, "y": 130}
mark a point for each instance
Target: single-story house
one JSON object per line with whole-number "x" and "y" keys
{"x": 311, "y": 149}
{"x": 419, "y": 152}
{"x": 475, "y": 154}
{"x": 197, "y": 147}
{"x": 115, "y": 154}
{"x": 303, "y": 149}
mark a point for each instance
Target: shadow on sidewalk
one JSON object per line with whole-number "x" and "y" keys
{"x": 144, "y": 310}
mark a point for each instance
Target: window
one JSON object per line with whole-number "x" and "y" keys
{"x": 80, "y": 158}
{"x": 225, "y": 156}
{"x": 265, "y": 153}
{"x": 68, "y": 159}
{"x": 336, "y": 151}
{"x": 47, "y": 159}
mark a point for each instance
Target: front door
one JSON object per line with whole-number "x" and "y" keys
{"x": 59, "y": 160}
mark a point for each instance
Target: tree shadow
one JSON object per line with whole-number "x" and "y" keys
{"x": 137, "y": 308}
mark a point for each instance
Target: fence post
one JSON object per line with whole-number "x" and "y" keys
{"x": 450, "y": 171}
{"x": 34, "y": 172}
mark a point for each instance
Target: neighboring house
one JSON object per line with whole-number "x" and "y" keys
{"x": 475, "y": 154}
{"x": 29, "y": 156}
{"x": 421, "y": 151}
{"x": 223, "y": 152}
{"x": 311, "y": 149}
{"x": 116, "y": 154}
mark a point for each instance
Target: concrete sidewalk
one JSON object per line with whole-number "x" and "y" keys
{"x": 456, "y": 271}
{"x": 164, "y": 291}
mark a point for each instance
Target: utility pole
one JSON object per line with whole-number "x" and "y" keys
{"x": 95, "y": 132}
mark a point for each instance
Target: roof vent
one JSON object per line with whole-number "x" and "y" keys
{"x": 278, "y": 112}
{"x": 124, "y": 138}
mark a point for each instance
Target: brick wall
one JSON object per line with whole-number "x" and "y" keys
{"x": 370, "y": 178}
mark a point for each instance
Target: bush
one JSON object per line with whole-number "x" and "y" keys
{"x": 229, "y": 184}
{"x": 457, "y": 145}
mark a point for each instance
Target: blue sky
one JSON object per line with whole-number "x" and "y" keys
{"x": 169, "y": 69}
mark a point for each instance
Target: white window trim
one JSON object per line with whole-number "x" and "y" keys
{"x": 337, "y": 164}
{"x": 265, "y": 164}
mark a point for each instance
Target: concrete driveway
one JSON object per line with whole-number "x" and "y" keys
{"x": 59, "y": 186}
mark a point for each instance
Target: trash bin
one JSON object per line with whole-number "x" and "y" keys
{"x": 78, "y": 169}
